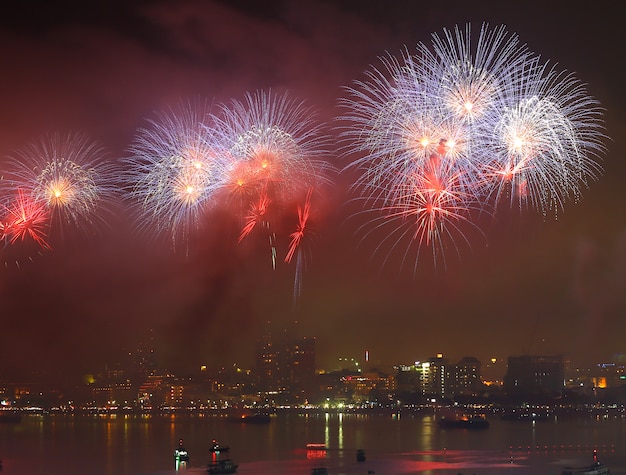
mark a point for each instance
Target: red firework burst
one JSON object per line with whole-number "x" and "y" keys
{"x": 26, "y": 219}
{"x": 256, "y": 215}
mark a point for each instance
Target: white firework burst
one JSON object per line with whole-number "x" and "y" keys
{"x": 488, "y": 112}
{"x": 173, "y": 170}
{"x": 69, "y": 175}
{"x": 542, "y": 140}
{"x": 274, "y": 145}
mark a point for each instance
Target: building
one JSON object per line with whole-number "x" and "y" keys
{"x": 428, "y": 378}
{"x": 535, "y": 375}
{"x": 465, "y": 378}
{"x": 286, "y": 365}
{"x": 436, "y": 378}
{"x": 410, "y": 378}
{"x": 300, "y": 362}
{"x": 267, "y": 366}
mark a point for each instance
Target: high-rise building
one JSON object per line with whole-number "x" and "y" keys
{"x": 267, "y": 367}
{"x": 143, "y": 358}
{"x": 437, "y": 378}
{"x": 428, "y": 378}
{"x": 531, "y": 374}
{"x": 409, "y": 377}
{"x": 301, "y": 364}
{"x": 465, "y": 377}
{"x": 436, "y": 384}
{"x": 286, "y": 365}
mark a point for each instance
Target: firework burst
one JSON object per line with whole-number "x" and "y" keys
{"x": 68, "y": 176}
{"x": 24, "y": 229}
{"x": 173, "y": 170}
{"x": 466, "y": 74}
{"x": 542, "y": 140}
{"x": 276, "y": 155}
{"x": 25, "y": 219}
{"x": 448, "y": 131}
{"x": 274, "y": 144}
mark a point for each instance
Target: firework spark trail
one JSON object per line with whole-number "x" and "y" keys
{"x": 488, "y": 115}
{"x": 296, "y": 237}
{"x": 257, "y": 215}
{"x": 68, "y": 175}
{"x": 174, "y": 168}
{"x": 296, "y": 245}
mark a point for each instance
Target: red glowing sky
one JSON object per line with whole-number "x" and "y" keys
{"x": 540, "y": 286}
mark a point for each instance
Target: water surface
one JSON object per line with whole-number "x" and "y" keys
{"x": 139, "y": 445}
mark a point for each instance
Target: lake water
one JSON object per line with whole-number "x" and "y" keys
{"x": 136, "y": 445}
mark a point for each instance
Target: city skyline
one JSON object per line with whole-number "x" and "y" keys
{"x": 535, "y": 285}
{"x": 284, "y": 373}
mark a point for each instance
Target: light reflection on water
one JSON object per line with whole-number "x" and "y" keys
{"x": 137, "y": 445}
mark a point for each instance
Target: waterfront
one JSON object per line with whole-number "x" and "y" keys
{"x": 409, "y": 444}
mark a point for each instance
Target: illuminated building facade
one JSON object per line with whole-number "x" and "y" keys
{"x": 364, "y": 386}
{"x": 428, "y": 378}
{"x": 437, "y": 377}
{"x": 174, "y": 395}
{"x": 409, "y": 378}
{"x": 152, "y": 391}
{"x": 465, "y": 377}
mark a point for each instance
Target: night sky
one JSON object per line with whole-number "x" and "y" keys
{"x": 533, "y": 285}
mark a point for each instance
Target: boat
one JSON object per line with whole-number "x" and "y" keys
{"x": 525, "y": 417}
{"x": 595, "y": 468}
{"x": 315, "y": 451}
{"x": 464, "y": 422}
{"x": 222, "y": 466}
{"x": 216, "y": 447}
{"x": 256, "y": 418}
{"x": 181, "y": 454}
{"x": 525, "y": 414}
